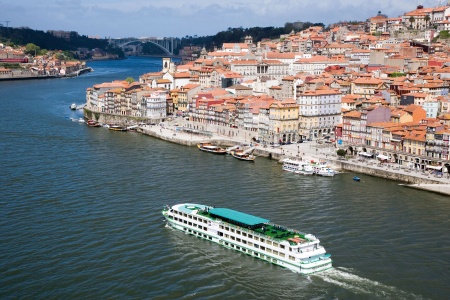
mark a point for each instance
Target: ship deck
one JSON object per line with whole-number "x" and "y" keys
{"x": 257, "y": 225}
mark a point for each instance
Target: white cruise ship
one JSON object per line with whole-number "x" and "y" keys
{"x": 255, "y": 236}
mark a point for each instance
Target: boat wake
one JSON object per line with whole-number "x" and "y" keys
{"x": 343, "y": 277}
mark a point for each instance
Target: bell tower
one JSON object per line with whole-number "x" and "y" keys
{"x": 166, "y": 64}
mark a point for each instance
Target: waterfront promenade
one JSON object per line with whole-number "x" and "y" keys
{"x": 183, "y": 132}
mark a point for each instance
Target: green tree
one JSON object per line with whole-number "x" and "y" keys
{"x": 60, "y": 56}
{"x": 129, "y": 79}
{"x": 411, "y": 21}
{"x": 32, "y": 49}
{"x": 341, "y": 152}
{"x": 427, "y": 20}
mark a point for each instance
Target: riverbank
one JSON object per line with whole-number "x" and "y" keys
{"x": 22, "y": 74}
{"x": 180, "y": 132}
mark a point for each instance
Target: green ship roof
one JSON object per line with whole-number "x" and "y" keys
{"x": 237, "y": 216}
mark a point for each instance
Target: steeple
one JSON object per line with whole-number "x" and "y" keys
{"x": 204, "y": 53}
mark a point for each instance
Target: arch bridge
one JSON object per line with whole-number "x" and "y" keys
{"x": 167, "y": 44}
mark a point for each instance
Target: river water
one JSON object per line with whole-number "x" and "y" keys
{"x": 81, "y": 213}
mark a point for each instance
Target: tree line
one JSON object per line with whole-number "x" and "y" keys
{"x": 45, "y": 40}
{"x": 237, "y": 35}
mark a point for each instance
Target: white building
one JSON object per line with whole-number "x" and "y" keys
{"x": 432, "y": 108}
{"x": 317, "y": 64}
{"x": 155, "y": 104}
{"x": 319, "y": 112}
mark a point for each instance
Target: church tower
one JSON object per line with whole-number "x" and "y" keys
{"x": 204, "y": 53}
{"x": 166, "y": 64}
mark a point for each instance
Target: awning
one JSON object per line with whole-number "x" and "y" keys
{"x": 434, "y": 167}
{"x": 365, "y": 154}
{"x": 381, "y": 156}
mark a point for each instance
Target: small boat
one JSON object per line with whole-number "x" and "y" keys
{"x": 73, "y": 106}
{"x": 356, "y": 178}
{"x": 325, "y": 171}
{"x": 92, "y": 123}
{"x": 242, "y": 155}
{"x": 117, "y": 128}
{"x": 208, "y": 147}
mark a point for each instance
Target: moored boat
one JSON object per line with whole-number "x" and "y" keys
{"x": 92, "y": 123}
{"x": 117, "y": 128}
{"x": 325, "y": 171}
{"x": 73, "y": 106}
{"x": 208, "y": 147}
{"x": 297, "y": 166}
{"x": 252, "y": 235}
{"x": 242, "y": 155}
{"x": 356, "y": 178}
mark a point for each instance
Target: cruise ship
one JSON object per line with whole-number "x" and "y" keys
{"x": 254, "y": 236}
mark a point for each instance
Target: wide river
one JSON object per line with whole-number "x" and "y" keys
{"x": 80, "y": 213}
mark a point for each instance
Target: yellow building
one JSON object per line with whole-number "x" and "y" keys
{"x": 283, "y": 121}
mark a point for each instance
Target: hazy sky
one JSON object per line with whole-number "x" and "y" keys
{"x": 178, "y": 18}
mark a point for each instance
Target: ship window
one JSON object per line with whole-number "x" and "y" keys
{"x": 244, "y": 234}
{"x": 291, "y": 257}
{"x": 221, "y": 226}
{"x": 232, "y": 230}
{"x": 275, "y": 252}
{"x": 227, "y": 236}
{"x": 190, "y": 223}
{"x": 256, "y": 246}
{"x": 210, "y": 238}
{"x": 262, "y": 240}
{"x": 244, "y": 242}
{"x": 195, "y": 218}
{"x": 238, "y": 231}
{"x": 263, "y": 248}
{"x": 282, "y": 246}
{"x": 190, "y": 217}
{"x": 250, "y": 236}
{"x": 227, "y": 228}
{"x": 250, "y": 243}
{"x": 256, "y": 238}
{"x": 238, "y": 239}
{"x": 275, "y": 244}
{"x": 233, "y": 238}
{"x": 269, "y": 250}
{"x": 226, "y": 244}
{"x": 269, "y": 243}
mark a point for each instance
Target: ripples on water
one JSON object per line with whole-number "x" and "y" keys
{"x": 81, "y": 216}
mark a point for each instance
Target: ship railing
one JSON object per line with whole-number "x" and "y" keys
{"x": 288, "y": 229}
{"x": 267, "y": 237}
